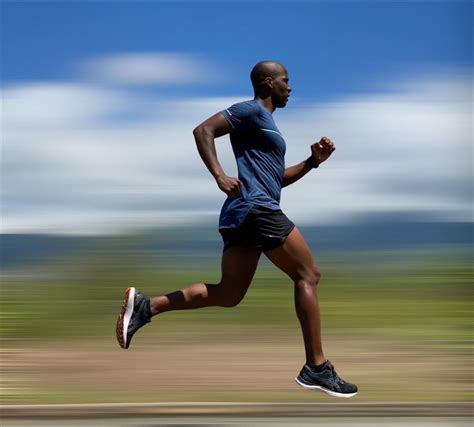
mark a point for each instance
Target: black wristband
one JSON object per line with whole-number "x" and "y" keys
{"x": 312, "y": 162}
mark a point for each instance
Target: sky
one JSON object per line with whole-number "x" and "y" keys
{"x": 99, "y": 100}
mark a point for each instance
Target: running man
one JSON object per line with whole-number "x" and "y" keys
{"x": 251, "y": 223}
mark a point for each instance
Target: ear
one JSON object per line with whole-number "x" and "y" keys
{"x": 269, "y": 82}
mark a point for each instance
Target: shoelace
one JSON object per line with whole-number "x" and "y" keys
{"x": 136, "y": 313}
{"x": 336, "y": 378}
{"x": 140, "y": 310}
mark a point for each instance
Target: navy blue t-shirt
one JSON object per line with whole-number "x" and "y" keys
{"x": 259, "y": 149}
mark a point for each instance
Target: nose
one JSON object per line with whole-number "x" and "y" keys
{"x": 289, "y": 89}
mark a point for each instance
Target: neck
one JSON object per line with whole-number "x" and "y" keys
{"x": 266, "y": 103}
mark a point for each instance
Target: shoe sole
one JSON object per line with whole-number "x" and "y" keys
{"x": 325, "y": 390}
{"x": 124, "y": 317}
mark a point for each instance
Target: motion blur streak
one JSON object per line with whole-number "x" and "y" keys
{"x": 104, "y": 189}
{"x": 106, "y": 158}
{"x": 397, "y": 320}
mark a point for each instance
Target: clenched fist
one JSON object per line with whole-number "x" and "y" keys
{"x": 229, "y": 185}
{"x": 322, "y": 150}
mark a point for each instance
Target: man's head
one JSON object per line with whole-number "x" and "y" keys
{"x": 270, "y": 78}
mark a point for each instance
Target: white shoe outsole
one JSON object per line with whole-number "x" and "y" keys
{"x": 324, "y": 390}
{"x": 128, "y": 314}
{"x": 124, "y": 317}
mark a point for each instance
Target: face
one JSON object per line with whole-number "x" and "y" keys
{"x": 281, "y": 89}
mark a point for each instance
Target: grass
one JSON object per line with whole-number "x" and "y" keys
{"x": 391, "y": 304}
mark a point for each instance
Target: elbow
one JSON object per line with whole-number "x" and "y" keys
{"x": 202, "y": 135}
{"x": 200, "y": 132}
{"x": 197, "y": 131}
{"x": 287, "y": 180}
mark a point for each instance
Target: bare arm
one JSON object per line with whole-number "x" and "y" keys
{"x": 320, "y": 152}
{"x": 294, "y": 173}
{"x": 214, "y": 127}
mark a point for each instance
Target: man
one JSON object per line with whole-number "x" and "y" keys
{"x": 251, "y": 222}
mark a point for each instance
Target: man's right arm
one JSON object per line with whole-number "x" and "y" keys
{"x": 204, "y": 134}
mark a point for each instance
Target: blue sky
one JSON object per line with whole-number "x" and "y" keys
{"x": 330, "y": 48}
{"x": 99, "y": 100}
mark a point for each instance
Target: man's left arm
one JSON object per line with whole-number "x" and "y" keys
{"x": 320, "y": 152}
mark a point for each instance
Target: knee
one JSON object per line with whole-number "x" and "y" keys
{"x": 311, "y": 275}
{"x": 228, "y": 298}
{"x": 316, "y": 275}
{"x": 308, "y": 279}
{"x": 231, "y": 300}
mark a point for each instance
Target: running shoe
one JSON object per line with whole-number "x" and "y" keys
{"x": 135, "y": 313}
{"x": 325, "y": 380}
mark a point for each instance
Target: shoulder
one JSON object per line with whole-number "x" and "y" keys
{"x": 244, "y": 108}
{"x": 242, "y": 115}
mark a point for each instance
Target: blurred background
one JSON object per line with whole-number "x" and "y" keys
{"x": 102, "y": 188}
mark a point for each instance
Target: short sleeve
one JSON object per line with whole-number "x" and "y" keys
{"x": 240, "y": 116}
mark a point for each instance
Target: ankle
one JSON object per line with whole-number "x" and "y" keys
{"x": 317, "y": 361}
{"x": 316, "y": 367}
{"x": 154, "y": 310}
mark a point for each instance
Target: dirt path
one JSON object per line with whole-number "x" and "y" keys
{"x": 232, "y": 371}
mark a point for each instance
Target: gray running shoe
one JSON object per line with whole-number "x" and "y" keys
{"x": 134, "y": 314}
{"x": 326, "y": 380}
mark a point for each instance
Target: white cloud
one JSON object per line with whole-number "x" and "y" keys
{"x": 71, "y": 164}
{"x": 405, "y": 151}
{"x": 149, "y": 68}
{"x": 39, "y": 105}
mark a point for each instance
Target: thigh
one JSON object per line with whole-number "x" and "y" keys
{"x": 239, "y": 264}
{"x": 293, "y": 256}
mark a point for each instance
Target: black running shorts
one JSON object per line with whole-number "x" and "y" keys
{"x": 262, "y": 228}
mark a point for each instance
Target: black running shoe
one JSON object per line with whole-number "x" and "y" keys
{"x": 326, "y": 380}
{"x": 134, "y": 314}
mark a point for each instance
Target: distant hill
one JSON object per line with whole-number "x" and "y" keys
{"x": 379, "y": 233}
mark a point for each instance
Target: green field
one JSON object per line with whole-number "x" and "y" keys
{"x": 398, "y": 323}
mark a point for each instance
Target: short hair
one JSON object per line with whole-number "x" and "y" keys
{"x": 264, "y": 69}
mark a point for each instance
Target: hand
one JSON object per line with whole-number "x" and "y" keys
{"x": 322, "y": 150}
{"x": 230, "y": 186}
